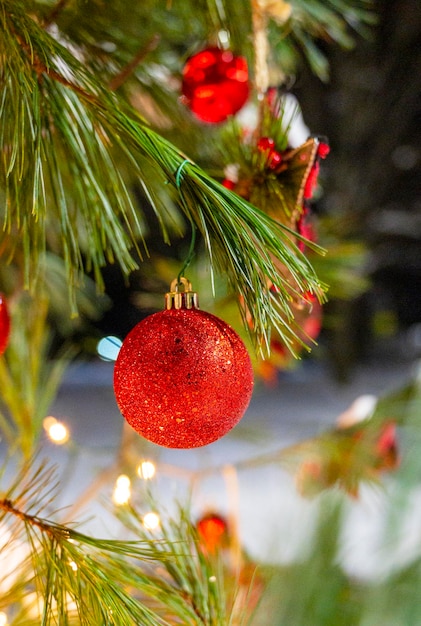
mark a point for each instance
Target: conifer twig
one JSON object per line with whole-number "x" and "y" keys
{"x": 126, "y": 71}
{"x": 77, "y": 191}
{"x": 60, "y": 6}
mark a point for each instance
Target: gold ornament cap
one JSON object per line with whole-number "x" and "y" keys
{"x": 177, "y": 299}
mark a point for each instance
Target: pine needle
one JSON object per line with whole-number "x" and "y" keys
{"x": 65, "y": 190}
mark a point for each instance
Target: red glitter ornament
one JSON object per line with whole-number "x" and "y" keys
{"x": 183, "y": 377}
{"x": 215, "y": 84}
{"x": 4, "y": 324}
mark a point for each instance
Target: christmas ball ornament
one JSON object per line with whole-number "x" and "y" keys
{"x": 213, "y": 531}
{"x": 183, "y": 377}
{"x": 4, "y": 324}
{"x": 215, "y": 84}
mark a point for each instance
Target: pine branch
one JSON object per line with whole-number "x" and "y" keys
{"x": 194, "y": 586}
{"x": 66, "y": 141}
{"x": 150, "y": 581}
{"x": 128, "y": 70}
{"x": 74, "y": 574}
{"x": 28, "y": 378}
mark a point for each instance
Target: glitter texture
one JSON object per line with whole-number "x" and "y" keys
{"x": 183, "y": 378}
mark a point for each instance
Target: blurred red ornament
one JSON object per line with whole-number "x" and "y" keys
{"x": 215, "y": 84}
{"x": 4, "y": 324}
{"x": 183, "y": 377}
{"x": 213, "y": 531}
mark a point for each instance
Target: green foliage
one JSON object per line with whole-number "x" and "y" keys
{"x": 169, "y": 576}
{"x": 65, "y": 576}
{"x": 315, "y": 589}
{"x": 315, "y": 22}
{"x": 193, "y": 585}
{"x": 29, "y": 379}
{"x": 63, "y": 136}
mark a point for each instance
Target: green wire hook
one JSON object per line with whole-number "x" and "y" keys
{"x": 190, "y": 254}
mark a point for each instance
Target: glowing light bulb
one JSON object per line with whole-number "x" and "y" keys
{"x": 146, "y": 470}
{"x": 108, "y": 348}
{"x": 122, "y": 490}
{"x": 3, "y": 619}
{"x": 151, "y": 520}
{"x": 56, "y": 431}
{"x": 73, "y": 565}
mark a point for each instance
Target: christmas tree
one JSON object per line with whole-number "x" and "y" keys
{"x": 160, "y": 148}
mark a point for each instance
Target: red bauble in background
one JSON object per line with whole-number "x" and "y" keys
{"x": 215, "y": 84}
{"x": 4, "y": 324}
{"x": 183, "y": 377}
{"x": 213, "y": 531}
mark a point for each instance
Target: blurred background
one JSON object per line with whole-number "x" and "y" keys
{"x": 368, "y": 214}
{"x": 354, "y": 71}
{"x": 367, "y": 204}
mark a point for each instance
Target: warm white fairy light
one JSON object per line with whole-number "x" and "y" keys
{"x": 122, "y": 490}
{"x": 146, "y": 470}
{"x": 224, "y": 38}
{"x": 151, "y": 520}
{"x": 73, "y": 565}
{"x": 56, "y": 431}
{"x": 3, "y": 619}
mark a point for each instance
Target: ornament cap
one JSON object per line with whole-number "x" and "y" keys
{"x": 176, "y": 299}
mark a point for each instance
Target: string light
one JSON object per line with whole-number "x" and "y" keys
{"x": 151, "y": 521}
{"x": 108, "y": 348}
{"x": 3, "y": 619}
{"x": 122, "y": 490}
{"x": 146, "y": 470}
{"x": 73, "y": 565}
{"x": 56, "y": 431}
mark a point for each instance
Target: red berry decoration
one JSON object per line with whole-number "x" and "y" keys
{"x": 323, "y": 149}
{"x": 183, "y": 377}
{"x": 266, "y": 143}
{"x": 215, "y": 84}
{"x": 4, "y": 324}
{"x": 228, "y": 184}
{"x": 274, "y": 158}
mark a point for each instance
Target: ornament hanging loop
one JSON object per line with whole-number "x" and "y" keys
{"x": 190, "y": 254}
{"x": 186, "y": 299}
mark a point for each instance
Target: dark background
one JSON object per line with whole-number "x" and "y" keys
{"x": 371, "y": 112}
